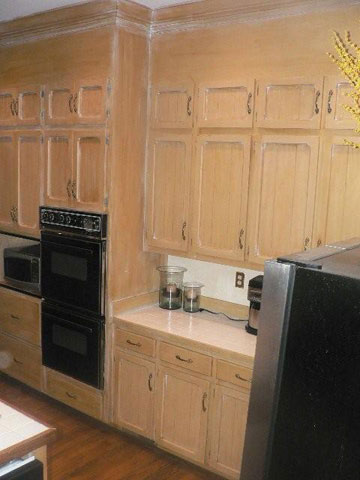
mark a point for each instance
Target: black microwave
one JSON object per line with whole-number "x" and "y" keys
{"x": 22, "y": 267}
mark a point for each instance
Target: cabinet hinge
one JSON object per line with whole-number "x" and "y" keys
{"x": 108, "y": 87}
{"x": 42, "y": 114}
{"x": 42, "y": 94}
{"x": 108, "y": 113}
{"x": 257, "y": 90}
{"x": 248, "y": 251}
{"x": 42, "y": 139}
{"x": 106, "y": 201}
{"x": 107, "y": 140}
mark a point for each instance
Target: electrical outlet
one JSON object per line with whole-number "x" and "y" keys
{"x": 239, "y": 279}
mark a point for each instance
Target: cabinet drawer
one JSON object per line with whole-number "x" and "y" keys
{"x": 236, "y": 374}
{"x": 20, "y": 316}
{"x": 21, "y": 361}
{"x": 73, "y": 393}
{"x": 134, "y": 342}
{"x": 188, "y": 359}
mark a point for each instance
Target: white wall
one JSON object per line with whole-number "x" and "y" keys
{"x": 219, "y": 280}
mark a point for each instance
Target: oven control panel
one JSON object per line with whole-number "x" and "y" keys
{"x": 82, "y": 223}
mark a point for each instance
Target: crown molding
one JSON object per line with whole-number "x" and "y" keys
{"x": 213, "y": 13}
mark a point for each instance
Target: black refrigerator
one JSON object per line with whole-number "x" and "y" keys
{"x": 304, "y": 411}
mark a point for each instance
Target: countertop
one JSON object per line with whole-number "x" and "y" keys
{"x": 20, "y": 433}
{"x": 213, "y": 333}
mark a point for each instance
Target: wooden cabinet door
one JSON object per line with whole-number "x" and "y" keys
{"x": 289, "y": 103}
{"x": 226, "y": 104}
{"x": 58, "y": 169}
{"x": 90, "y": 100}
{"x": 282, "y": 196}
{"x": 335, "y": 91}
{"x": 338, "y": 193}
{"x": 59, "y": 103}
{"x": 220, "y": 195}
{"x": 28, "y": 105}
{"x": 89, "y": 156}
{"x": 182, "y": 413}
{"x": 172, "y": 105}
{"x": 7, "y": 107}
{"x": 227, "y": 432}
{"x": 29, "y": 181}
{"x": 8, "y": 187}
{"x": 134, "y": 383}
{"x": 168, "y": 191}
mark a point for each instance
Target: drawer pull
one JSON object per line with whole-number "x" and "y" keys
{"x": 248, "y": 105}
{"x": 71, "y": 395}
{"x": 203, "y": 402}
{"x": 239, "y": 377}
{"x": 14, "y": 317}
{"x": 149, "y": 382}
{"x": 18, "y": 361}
{"x": 188, "y": 108}
{"x": 317, "y": 96}
{"x": 138, "y": 344}
{"x": 187, "y": 360}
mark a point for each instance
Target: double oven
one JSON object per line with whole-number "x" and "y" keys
{"x": 73, "y": 249}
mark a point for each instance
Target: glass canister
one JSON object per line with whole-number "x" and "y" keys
{"x": 171, "y": 282}
{"x": 192, "y": 294}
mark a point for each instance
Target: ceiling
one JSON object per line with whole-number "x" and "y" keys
{"x": 10, "y": 9}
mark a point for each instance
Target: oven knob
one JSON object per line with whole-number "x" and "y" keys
{"x": 52, "y": 217}
{"x": 61, "y": 218}
{"x": 44, "y": 216}
{"x": 68, "y": 219}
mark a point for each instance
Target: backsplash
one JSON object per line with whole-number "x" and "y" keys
{"x": 219, "y": 280}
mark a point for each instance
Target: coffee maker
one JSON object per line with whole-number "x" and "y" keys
{"x": 254, "y": 296}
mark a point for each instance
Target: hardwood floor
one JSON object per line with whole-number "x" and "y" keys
{"x": 87, "y": 450}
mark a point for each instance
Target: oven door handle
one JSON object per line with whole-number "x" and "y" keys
{"x": 73, "y": 324}
{"x": 67, "y": 248}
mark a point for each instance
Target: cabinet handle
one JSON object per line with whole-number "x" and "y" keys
{"x": 68, "y": 186}
{"x": 14, "y": 317}
{"x": 306, "y": 243}
{"x": 203, "y": 402}
{"x": 331, "y": 93}
{"x": 18, "y": 361}
{"x": 70, "y": 103}
{"x": 12, "y": 107}
{"x": 12, "y": 214}
{"x": 239, "y": 377}
{"x": 188, "y": 108}
{"x": 183, "y": 231}
{"x": 149, "y": 382}
{"x": 317, "y": 109}
{"x": 75, "y": 107}
{"x": 16, "y": 107}
{"x": 15, "y": 214}
{"x": 241, "y": 245}
{"x": 71, "y": 395}
{"x": 138, "y": 344}
{"x": 248, "y": 105}
{"x": 318, "y": 243}
{"x": 73, "y": 190}
{"x": 187, "y": 360}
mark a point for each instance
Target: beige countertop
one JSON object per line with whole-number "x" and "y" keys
{"x": 212, "y": 333}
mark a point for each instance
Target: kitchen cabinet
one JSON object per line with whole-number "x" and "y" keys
{"x": 7, "y": 112}
{"x": 289, "y": 102}
{"x": 336, "y": 92}
{"x": 168, "y": 189}
{"x": 7, "y": 180}
{"x": 58, "y": 102}
{"x": 220, "y": 196}
{"x": 20, "y": 106}
{"x": 226, "y": 103}
{"x": 172, "y": 105}
{"x": 282, "y": 199}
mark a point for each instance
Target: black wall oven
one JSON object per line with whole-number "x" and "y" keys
{"x": 73, "y": 248}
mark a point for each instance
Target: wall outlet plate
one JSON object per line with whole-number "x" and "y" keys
{"x": 239, "y": 279}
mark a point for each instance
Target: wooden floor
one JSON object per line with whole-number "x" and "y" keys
{"x": 87, "y": 450}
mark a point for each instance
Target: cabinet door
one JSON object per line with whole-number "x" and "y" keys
{"x": 227, "y": 433}
{"x": 282, "y": 196}
{"x": 7, "y": 106}
{"x": 338, "y": 197}
{"x": 8, "y": 188}
{"x": 220, "y": 195}
{"x": 134, "y": 383}
{"x": 336, "y": 91}
{"x": 168, "y": 191}
{"x": 28, "y": 105}
{"x": 90, "y": 100}
{"x": 58, "y": 169}
{"x": 181, "y": 413}
{"x": 226, "y": 104}
{"x": 59, "y": 103}
{"x": 89, "y": 156}
{"x": 29, "y": 181}
{"x": 289, "y": 103}
{"x": 172, "y": 105}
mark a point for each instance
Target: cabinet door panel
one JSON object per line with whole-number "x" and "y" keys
{"x": 29, "y": 105}
{"x": 134, "y": 383}
{"x": 58, "y": 168}
{"x": 59, "y": 101}
{"x": 226, "y": 104}
{"x": 289, "y": 103}
{"x": 89, "y": 169}
{"x": 90, "y": 101}
{"x": 283, "y": 196}
{"x": 29, "y": 168}
{"x": 7, "y": 107}
{"x": 172, "y": 105}
{"x": 337, "y": 90}
{"x": 168, "y": 191}
{"x": 228, "y": 430}
{"x": 8, "y": 188}
{"x": 182, "y": 411}
{"x": 222, "y": 173}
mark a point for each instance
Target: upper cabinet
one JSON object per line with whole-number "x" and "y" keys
{"x": 7, "y": 180}
{"x": 336, "y": 97}
{"x": 172, "y": 105}
{"x": 289, "y": 103}
{"x": 20, "y": 106}
{"x": 226, "y": 104}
